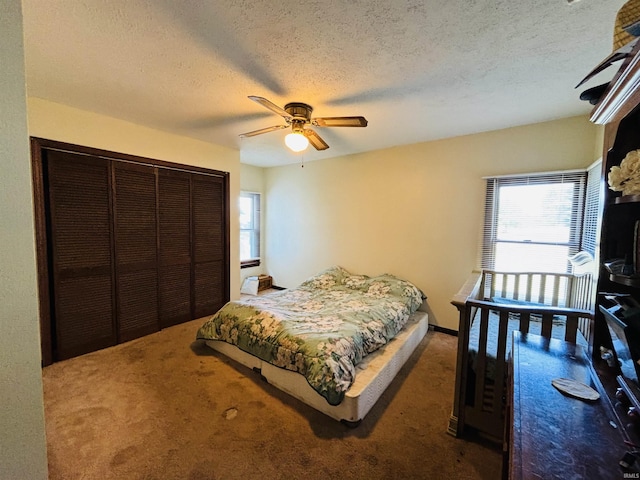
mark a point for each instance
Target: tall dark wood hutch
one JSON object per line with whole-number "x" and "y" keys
{"x": 619, "y": 111}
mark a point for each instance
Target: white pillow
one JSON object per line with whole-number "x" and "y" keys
{"x": 250, "y": 286}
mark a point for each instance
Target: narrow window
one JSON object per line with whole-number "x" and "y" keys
{"x": 592, "y": 208}
{"x": 249, "y": 229}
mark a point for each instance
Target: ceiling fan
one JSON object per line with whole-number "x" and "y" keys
{"x": 297, "y": 115}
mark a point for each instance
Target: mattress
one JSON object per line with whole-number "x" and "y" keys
{"x": 373, "y": 374}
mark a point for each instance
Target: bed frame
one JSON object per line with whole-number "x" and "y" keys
{"x": 374, "y": 373}
{"x": 559, "y": 301}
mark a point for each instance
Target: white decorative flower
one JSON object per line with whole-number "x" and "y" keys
{"x": 626, "y": 177}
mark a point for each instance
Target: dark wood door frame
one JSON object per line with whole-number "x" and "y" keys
{"x": 39, "y": 146}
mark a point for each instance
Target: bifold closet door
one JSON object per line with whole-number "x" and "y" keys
{"x": 209, "y": 244}
{"x": 80, "y": 244}
{"x": 136, "y": 251}
{"x": 174, "y": 230}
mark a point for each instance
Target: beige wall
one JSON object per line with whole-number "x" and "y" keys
{"x": 252, "y": 180}
{"x": 599, "y": 141}
{"x": 59, "y": 122}
{"x": 414, "y": 211}
{"x": 23, "y": 452}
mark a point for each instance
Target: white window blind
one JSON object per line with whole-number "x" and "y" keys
{"x": 592, "y": 209}
{"x": 249, "y": 229}
{"x": 533, "y": 223}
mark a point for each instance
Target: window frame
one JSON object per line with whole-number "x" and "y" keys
{"x": 255, "y": 235}
{"x": 490, "y": 234}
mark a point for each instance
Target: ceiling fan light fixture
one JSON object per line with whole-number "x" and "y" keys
{"x": 296, "y": 141}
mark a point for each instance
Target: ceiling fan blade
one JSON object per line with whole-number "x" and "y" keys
{"x": 315, "y": 140}
{"x": 270, "y": 105}
{"x": 263, "y": 130}
{"x": 339, "y": 122}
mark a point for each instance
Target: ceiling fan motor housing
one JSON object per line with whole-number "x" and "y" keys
{"x": 299, "y": 110}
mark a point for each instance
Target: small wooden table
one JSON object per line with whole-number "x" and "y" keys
{"x": 552, "y": 435}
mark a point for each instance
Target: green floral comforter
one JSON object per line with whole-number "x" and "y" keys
{"x": 322, "y": 329}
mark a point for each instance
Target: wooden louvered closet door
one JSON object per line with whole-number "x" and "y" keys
{"x": 81, "y": 253}
{"x": 174, "y": 231}
{"x": 126, "y": 246}
{"x": 135, "y": 249}
{"x": 209, "y": 244}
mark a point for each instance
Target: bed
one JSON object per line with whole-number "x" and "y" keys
{"x": 335, "y": 342}
{"x": 492, "y": 305}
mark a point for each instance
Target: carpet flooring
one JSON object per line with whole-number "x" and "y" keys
{"x": 168, "y": 407}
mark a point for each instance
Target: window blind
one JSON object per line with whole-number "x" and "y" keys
{"x": 533, "y": 222}
{"x": 593, "y": 207}
{"x": 249, "y": 229}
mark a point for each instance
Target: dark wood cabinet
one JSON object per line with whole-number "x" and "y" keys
{"x": 619, "y": 112}
{"x": 553, "y": 435}
{"x": 126, "y": 246}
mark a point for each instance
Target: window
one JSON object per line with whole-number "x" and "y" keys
{"x": 533, "y": 223}
{"x": 592, "y": 208}
{"x": 249, "y": 229}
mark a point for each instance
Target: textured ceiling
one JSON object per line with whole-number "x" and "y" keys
{"x": 417, "y": 70}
